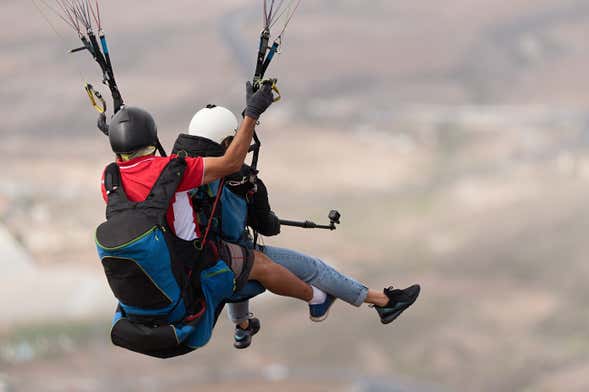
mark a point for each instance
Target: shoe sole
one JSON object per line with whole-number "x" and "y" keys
{"x": 242, "y": 347}
{"x": 394, "y": 316}
{"x": 320, "y": 319}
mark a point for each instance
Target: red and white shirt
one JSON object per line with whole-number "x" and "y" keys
{"x": 139, "y": 175}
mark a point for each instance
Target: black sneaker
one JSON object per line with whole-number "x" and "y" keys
{"x": 399, "y": 300}
{"x": 243, "y": 337}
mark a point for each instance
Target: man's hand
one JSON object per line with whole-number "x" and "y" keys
{"x": 257, "y": 102}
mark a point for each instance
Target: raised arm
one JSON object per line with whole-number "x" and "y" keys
{"x": 257, "y": 103}
{"x": 219, "y": 167}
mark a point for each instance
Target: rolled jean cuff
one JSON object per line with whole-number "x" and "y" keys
{"x": 238, "y": 312}
{"x": 361, "y": 297}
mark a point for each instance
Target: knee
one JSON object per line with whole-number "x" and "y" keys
{"x": 311, "y": 268}
{"x": 261, "y": 259}
{"x": 262, "y": 264}
{"x": 318, "y": 265}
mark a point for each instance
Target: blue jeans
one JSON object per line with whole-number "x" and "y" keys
{"x": 311, "y": 270}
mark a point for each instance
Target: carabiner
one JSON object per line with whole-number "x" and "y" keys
{"x": 95, "y": 97}
{"x": 278, "y": 96}
{"x": 274, "y": 82}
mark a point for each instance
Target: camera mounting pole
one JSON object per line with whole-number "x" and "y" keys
{"x": 334, "y": 218}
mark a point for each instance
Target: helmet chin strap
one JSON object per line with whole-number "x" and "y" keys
{"x": 160, "y": 148}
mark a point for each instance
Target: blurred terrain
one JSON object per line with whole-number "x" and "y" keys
{"x": 452, "y": 137}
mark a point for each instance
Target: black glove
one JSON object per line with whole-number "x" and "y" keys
{"x": 102, "y": 124}
{"x": 257, "y": 102}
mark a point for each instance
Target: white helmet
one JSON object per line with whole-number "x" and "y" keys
{"x": 214, "y": 123}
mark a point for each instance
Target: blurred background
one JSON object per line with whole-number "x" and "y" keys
{"x": 453, "y": 136}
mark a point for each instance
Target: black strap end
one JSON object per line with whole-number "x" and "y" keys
{"x": 112, "y": 178}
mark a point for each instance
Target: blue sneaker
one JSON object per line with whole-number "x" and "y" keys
{"x": 319, "y": 312}
{"x": 399, "y": 300}
{"x": 242, "y": 338}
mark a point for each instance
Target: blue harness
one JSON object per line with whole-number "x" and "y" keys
{"x": 170, "y": 291}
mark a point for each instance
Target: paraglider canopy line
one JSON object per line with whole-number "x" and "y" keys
{"x": 277, "y": 10}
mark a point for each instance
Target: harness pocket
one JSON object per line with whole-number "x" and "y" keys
{"x": 123, "y": 230}
{"x": 132, "y": 286}
{"x": 137, "y": 263}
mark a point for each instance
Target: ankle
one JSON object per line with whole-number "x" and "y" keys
{"x": 318, "y": 296}
{"x": 377, "y": 298}
{"x": 244, "y": 324}
{"x": 382, "y": 301}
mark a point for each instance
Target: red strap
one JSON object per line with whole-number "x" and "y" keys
{"x": 193, "y": 317}
{"x": 215, "y": 250}
{"x": 204, "y": 242}
{"x": 219, "y": 191}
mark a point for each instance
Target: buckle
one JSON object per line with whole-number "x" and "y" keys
{"x": 198, "y": 244}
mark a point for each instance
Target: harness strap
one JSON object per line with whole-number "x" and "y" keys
{"x": 203, "y": 241}
{"x": 159, "y": 198}
{"x": 161, "y": 194}
{"x": 201, "y": 244}
{"x": 112, "y": 178}
{"x": 202, "y": 308}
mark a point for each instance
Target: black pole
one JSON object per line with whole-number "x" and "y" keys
{"x": 305, "y": 225}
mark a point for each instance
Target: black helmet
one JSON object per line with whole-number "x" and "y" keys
{"x": 131, "y": 129}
